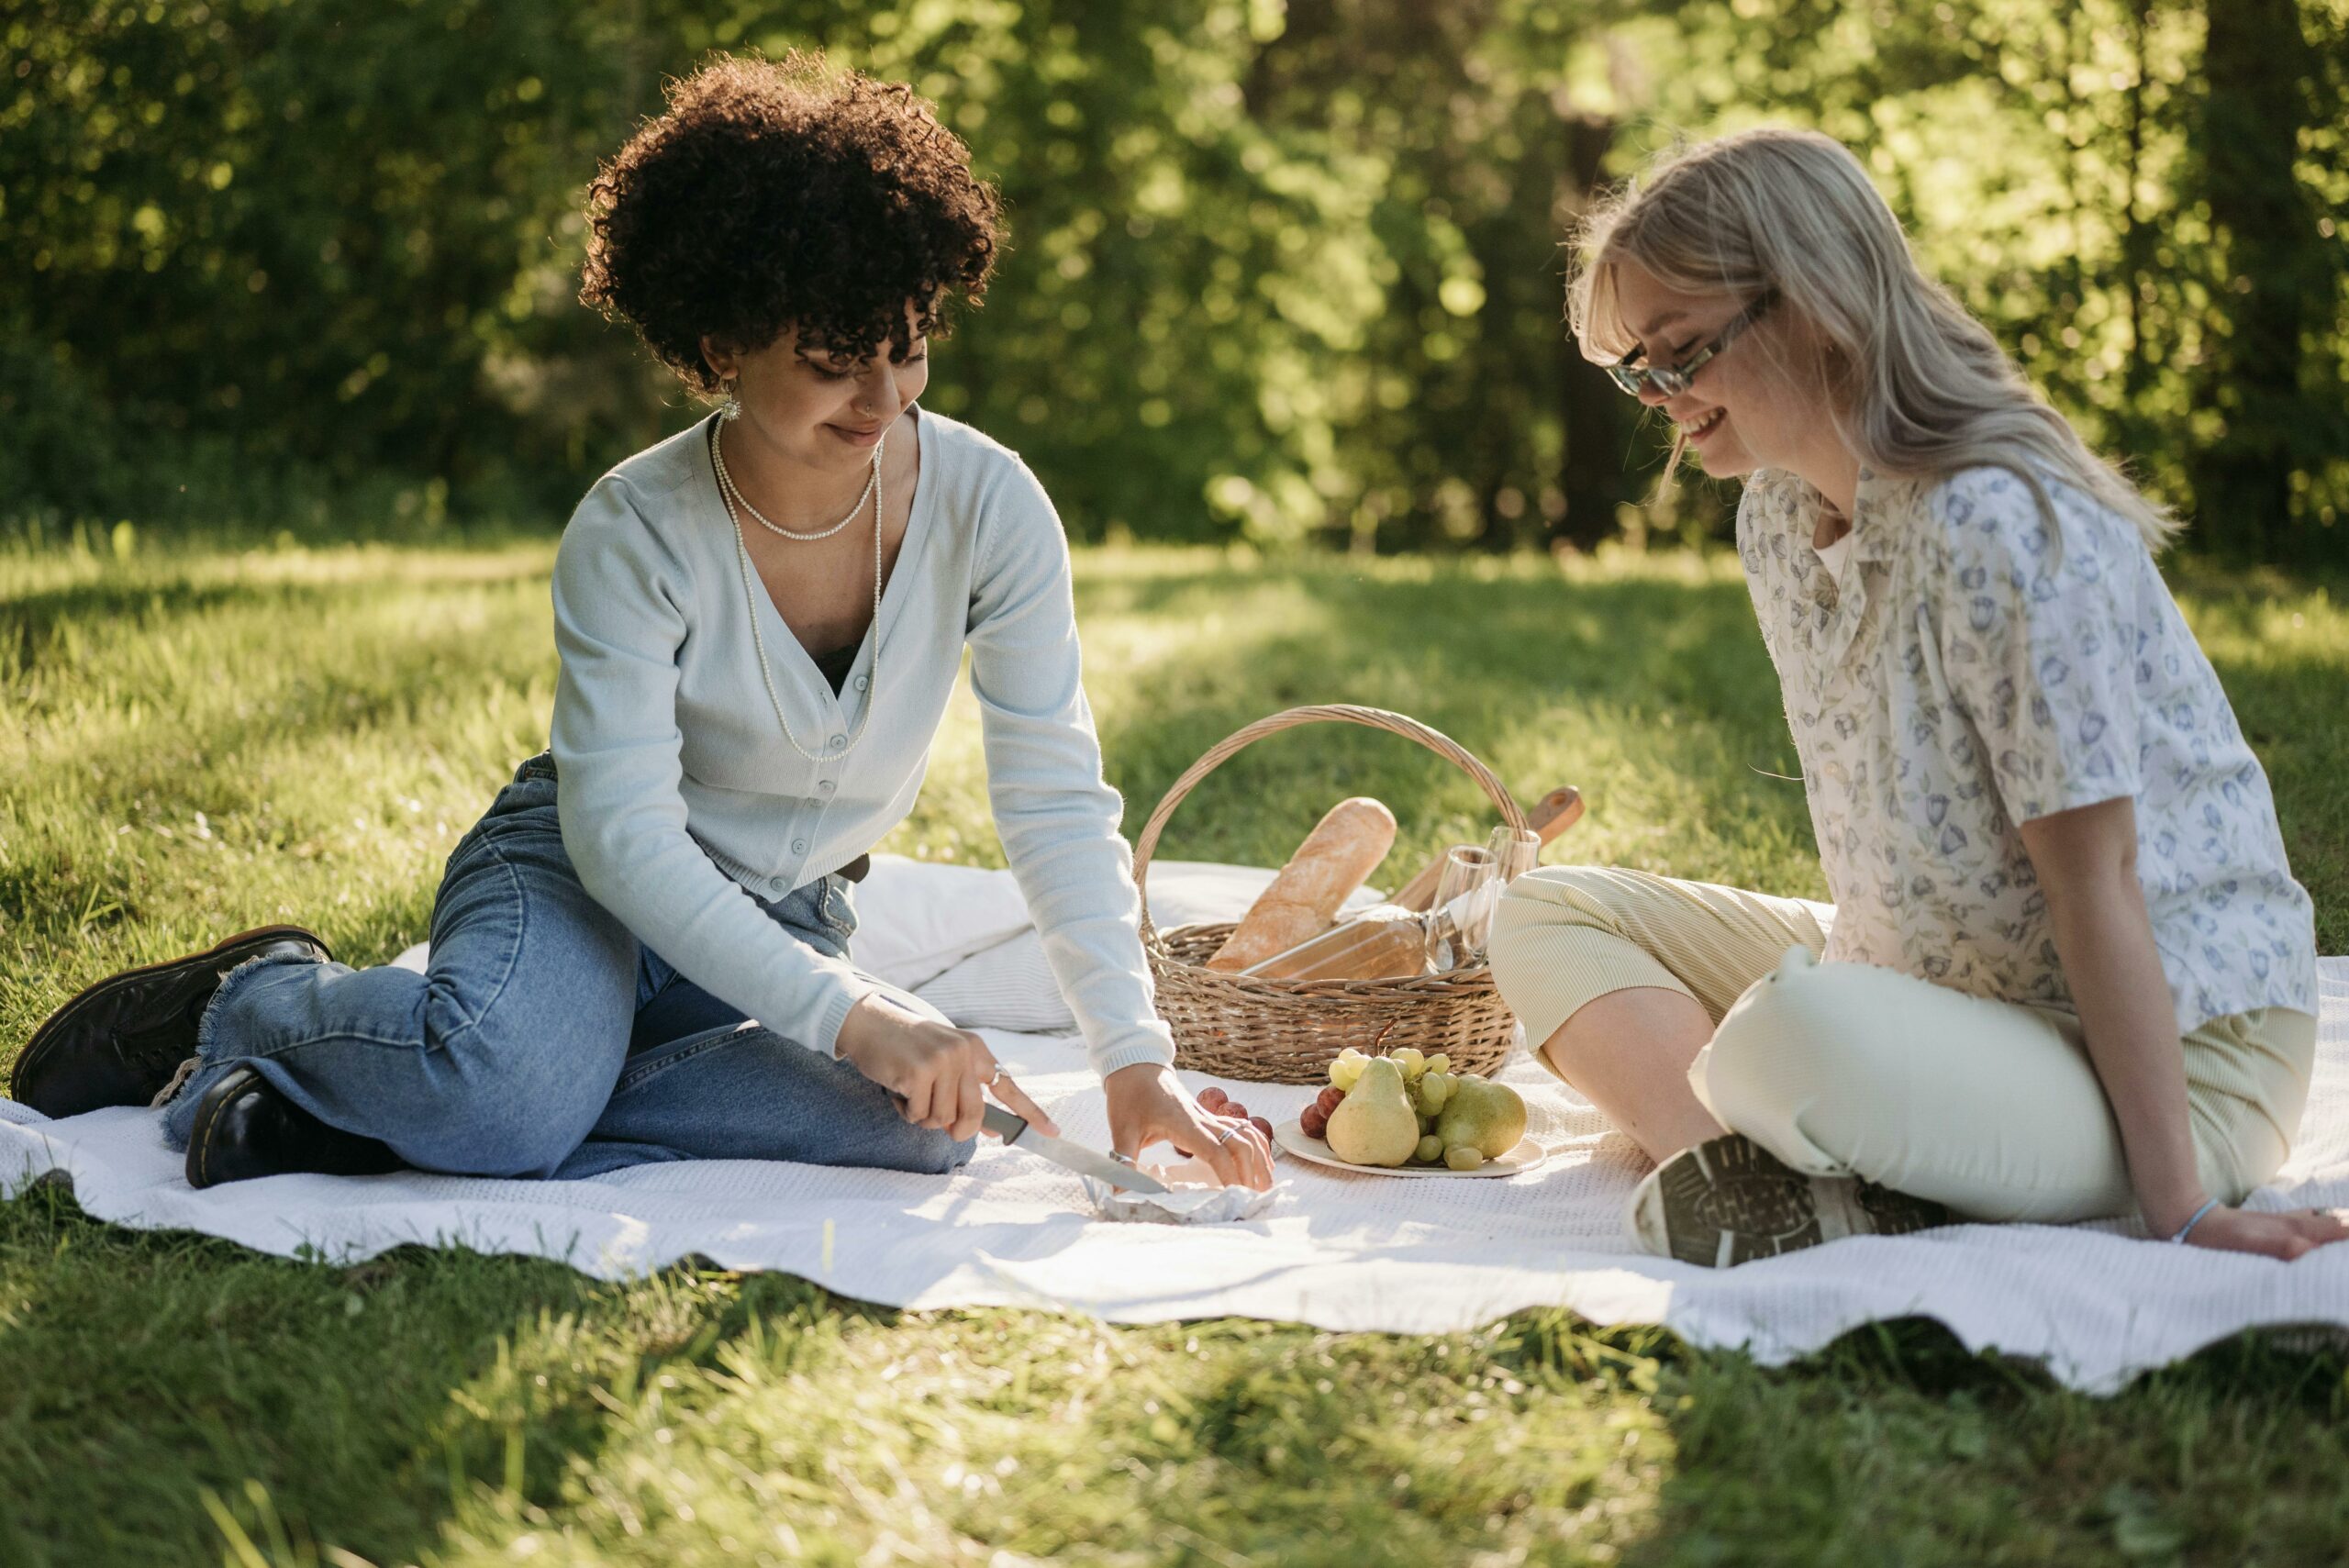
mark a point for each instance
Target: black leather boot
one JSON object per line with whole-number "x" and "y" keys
{"x": 245, "y": 1128}
{"x": 119, "y": 1041}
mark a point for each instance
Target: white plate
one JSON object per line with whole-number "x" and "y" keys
{"x": 1291, "y": 1135}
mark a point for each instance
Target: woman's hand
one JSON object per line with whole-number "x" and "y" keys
{"x": 940, "y": 1075}
{"x": 2285, "y": 1236}
{"x": 1148, "y": 1104}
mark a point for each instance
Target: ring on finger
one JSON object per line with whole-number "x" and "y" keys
{"x": 1226, "y": 1135}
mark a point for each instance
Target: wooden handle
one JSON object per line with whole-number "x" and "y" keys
{"x": 1551, "y": 816}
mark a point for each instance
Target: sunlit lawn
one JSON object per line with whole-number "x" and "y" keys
{"x": 203, "y": 740}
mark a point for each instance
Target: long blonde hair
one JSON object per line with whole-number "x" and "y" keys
{"x": 1918, "y": 388}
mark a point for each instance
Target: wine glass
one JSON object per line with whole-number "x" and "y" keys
{"x": 1460, "y": 918}
{"x": 1514, "y": 852}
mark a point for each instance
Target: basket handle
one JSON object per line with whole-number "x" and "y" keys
{"x": 1435, "y": 740}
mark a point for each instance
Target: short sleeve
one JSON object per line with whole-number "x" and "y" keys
{"x": 2035, "y": 640}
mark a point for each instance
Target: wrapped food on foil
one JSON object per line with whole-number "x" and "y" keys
{"x": 1192, "y": 1197}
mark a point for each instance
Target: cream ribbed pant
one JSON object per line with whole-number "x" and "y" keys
{"x": 1992, "y": 1108}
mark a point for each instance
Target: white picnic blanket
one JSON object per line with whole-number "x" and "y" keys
{"x": 1337, "y": 1249}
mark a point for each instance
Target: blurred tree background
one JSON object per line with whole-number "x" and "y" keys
{"x": 1283, "y": 272}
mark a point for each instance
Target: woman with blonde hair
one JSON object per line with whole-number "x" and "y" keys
{"x": 2066, "y": 971}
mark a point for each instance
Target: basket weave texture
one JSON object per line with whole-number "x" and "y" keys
{"x": 1287, "y": 1031}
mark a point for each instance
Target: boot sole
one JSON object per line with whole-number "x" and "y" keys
{"x": 1729, "y": 1200}
{"x": 24, "y": 1078}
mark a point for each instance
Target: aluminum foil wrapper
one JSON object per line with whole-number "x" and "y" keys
{"x": 1192, "y": 1198}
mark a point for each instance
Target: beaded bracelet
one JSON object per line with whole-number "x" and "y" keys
{"x": 2182, "y": 1231}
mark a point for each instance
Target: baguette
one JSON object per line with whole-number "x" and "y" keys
{"x": 1303, "y": 900}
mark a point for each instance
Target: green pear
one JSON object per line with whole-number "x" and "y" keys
{"x": 1376, "y": 1124}
{"x": 1486, "y": 1116}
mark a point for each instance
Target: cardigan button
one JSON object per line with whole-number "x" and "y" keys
{"x": 798, "y": 846}
{"x": 826, "y": 786}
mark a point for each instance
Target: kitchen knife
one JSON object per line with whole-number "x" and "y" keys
{"x": 1014, "y": 1130}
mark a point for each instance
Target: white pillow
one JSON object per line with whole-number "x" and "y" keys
{"x": 916, "y": 919}
{"x": 1008, "y": 986}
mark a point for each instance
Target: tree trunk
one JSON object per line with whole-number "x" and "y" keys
{"x": 2136, "y": 235}
{"x": 1597, "y": 428}
{"x": 2276, "y": 273}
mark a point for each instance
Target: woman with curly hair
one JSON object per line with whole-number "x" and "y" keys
{"x": 641, "y": 951}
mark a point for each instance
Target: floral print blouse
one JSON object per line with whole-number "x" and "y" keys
{"x": 1972, "y": 671}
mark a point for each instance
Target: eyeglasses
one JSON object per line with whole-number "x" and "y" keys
{"x": 1674, "y": 380}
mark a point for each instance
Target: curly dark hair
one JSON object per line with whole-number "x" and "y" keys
{"x": 775, "y": 195}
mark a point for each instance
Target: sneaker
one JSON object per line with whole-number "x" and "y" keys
{"x": 1727, "y": 1200}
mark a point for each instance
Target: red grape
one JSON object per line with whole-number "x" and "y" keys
{"x": 1314, "y": 1122}
{"x": 1211, "y": 1097}
{"x": 1332, "y": 1098}
{"x": 1263, "y": 1126}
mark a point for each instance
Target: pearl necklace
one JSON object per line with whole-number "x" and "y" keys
{"x": 750, "y": 603}
{"x": 736, "y": 498}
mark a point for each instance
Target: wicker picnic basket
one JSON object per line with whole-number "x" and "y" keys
{"x": 1287, "y": 1031}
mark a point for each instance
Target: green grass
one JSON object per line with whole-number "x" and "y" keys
{"x": 199, "y": 741}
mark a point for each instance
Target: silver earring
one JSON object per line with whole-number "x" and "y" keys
{"x": 733, "y": 407}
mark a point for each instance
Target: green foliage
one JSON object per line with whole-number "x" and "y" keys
{"x": 1281, "y": 269}
{"x": 2139, "y": 197}
{"x": 305, "y": 233}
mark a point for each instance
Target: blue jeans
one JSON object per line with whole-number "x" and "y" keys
{"x": 543, "y": 1040}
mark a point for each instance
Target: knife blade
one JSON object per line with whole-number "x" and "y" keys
{"x": 1016, "y": 1133}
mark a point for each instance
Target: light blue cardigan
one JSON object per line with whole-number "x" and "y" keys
{"x": 677, "y": 791}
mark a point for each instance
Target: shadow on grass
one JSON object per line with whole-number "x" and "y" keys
{"x": 392, "y": 1407}
{"x": 1895, "y": 1443}
{"x": 33, "y": 625}
{"x": 361, "y": 1407}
